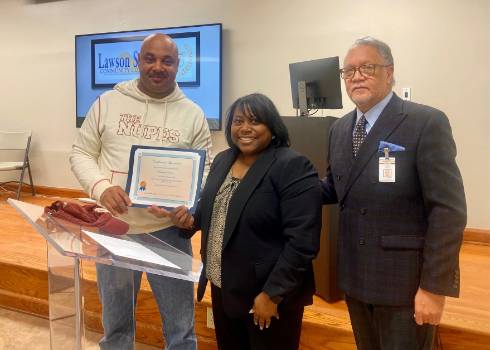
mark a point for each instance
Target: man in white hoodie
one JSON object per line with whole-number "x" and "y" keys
{"x": 150, "y": 111}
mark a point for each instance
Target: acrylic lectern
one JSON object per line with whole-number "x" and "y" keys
{"x": 68, "y": 245}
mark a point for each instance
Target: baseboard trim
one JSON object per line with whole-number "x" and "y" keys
{"x": 47, "y": 191}
{"x": 475, "y": 235}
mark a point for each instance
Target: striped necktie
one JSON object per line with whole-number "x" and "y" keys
{"x": 359, "y": 135}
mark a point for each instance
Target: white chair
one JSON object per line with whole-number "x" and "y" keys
{"x": 16, "y": 141}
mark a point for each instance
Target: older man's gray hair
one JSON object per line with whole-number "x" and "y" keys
{"x": 383, "y": 49}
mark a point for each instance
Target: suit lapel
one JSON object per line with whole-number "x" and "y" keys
{"x": 346, "y": 140}
{"x": 387, "y": 122}
{"x": 341, "y": 150}
{"x": 247, "y": 186}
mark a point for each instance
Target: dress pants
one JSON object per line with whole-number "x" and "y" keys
{"x": 379, "y": 327}
{"x": 242, "y": 334}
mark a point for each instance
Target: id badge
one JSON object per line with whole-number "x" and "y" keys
{"x": 387, "y": 169}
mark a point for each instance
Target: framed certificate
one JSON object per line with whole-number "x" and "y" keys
{"x": 166, "y": 177}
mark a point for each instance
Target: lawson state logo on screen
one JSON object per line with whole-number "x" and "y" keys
{"x": 124, "y": 63}
{"x": 130, "y": 125}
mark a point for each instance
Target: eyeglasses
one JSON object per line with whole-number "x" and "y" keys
{"x": 366, "y": 70}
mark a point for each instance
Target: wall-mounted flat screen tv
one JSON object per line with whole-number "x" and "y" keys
{"x": 105, "y": 59}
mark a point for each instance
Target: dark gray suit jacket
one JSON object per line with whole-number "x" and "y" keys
{"x": 395, "y": 237}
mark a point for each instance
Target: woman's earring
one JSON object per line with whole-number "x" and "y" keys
{"x": 273, "y": 137}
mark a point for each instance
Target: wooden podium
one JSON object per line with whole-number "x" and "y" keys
{"x": 309, "y": 136}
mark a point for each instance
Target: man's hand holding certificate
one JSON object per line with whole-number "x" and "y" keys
{"x": 165, "y": 177}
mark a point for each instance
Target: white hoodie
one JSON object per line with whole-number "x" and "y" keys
{"x": 124, "y": 117}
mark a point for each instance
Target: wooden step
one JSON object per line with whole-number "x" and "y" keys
{"x": 23, "y": 287}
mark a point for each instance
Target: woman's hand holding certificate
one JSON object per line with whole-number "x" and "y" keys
{"x": 180, "y": 216}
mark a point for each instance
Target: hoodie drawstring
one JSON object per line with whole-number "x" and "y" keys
{"x": 143, "y": 123}
{"x": 164, "y": 117}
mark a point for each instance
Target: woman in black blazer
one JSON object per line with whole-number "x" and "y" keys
{"x": 260, "y": 217}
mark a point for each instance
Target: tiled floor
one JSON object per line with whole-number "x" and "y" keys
{"x": 19, "y": 331}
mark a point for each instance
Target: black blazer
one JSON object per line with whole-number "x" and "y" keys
{"x": 272, "y": 229}
{"x": 395, "y": 237}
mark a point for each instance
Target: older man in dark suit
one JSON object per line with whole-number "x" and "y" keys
{"x": 392, "y": 170}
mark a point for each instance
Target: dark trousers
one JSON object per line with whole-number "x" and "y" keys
{"x": 242, "y": 334}
{"x": 378, "y": 327}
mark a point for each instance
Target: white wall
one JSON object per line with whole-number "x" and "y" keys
{"x": 441, "y": 50}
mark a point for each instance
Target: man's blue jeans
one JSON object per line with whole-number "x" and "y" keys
{"x": 175, "y": 299}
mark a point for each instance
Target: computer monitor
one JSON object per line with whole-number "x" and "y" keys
{"x": 315, "y": 84}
